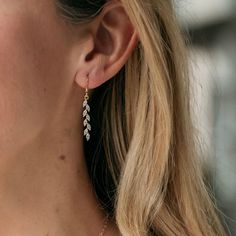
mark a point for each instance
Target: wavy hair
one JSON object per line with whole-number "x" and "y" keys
{"x": 142, "y": 157}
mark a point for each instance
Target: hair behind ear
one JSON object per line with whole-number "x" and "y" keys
{"x": 143, "y": 158}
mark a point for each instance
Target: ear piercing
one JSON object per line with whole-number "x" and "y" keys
{"x": 87, "y": 126}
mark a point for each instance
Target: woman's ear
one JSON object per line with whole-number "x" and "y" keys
{"x": 110, "y": 40}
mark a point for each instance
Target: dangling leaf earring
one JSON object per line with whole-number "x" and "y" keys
{"x": 85, "y": 113}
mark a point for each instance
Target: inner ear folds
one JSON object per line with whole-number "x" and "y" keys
{"x": 115, "y": 38}
{"x": 104, "y": 42}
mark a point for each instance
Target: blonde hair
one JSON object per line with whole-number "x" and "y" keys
{"x": 150, "y": 176}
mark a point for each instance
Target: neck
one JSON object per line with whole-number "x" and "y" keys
{"x": 45, "y": 189}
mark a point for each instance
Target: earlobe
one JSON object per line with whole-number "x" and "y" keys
{"x": 92, "y": 70}
{"x": 114, "y": 39}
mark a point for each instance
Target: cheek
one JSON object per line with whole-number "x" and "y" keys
{"x": 29, "y": 82}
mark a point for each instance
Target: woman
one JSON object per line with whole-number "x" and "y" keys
{"x": 96, "y": 136}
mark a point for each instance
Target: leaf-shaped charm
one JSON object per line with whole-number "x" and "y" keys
{"x": 87, "y": 136}
{"x": 85, "y": 122}
{"x": 88, "y": 126}
{"x": 88, "y": 117}
{"x": 87, "y": 107}
{"x": 85, "y": 113}
{"x": 85, "y": 103}
{"x": 85, "y": 131}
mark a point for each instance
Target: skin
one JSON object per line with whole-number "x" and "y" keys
{"x": 44, "y": 183}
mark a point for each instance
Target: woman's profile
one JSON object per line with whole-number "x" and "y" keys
{"x": 96, "y": 134}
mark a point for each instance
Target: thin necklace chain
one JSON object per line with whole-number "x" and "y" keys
{"x": 104, "y": 225}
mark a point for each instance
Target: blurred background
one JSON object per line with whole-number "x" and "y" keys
{"x": 211, "y": 27}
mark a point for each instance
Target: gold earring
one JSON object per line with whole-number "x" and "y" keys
{"x": 85, "y": 113}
